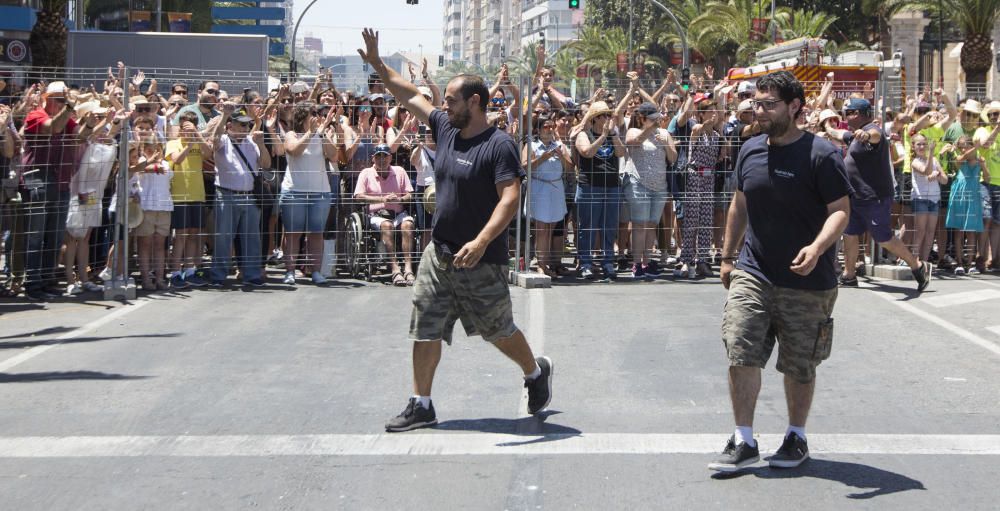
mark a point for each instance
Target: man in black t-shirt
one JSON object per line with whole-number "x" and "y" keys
{"x": 870, "y": 171}
{"x": 462, "y": 273}
{"x": 792, "y": 204}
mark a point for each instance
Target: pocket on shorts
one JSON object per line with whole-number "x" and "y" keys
{"x": 824, "y": 341}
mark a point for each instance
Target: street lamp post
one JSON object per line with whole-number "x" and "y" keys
{"x": 680, "y": 32}
{"x": 293, "y": 65}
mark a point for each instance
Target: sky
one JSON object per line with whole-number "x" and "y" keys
{"x": 401, "y": 27}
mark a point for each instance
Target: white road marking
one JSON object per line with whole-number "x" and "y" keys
{"x": 994, "y": 329}
{"x": 472, "y": 444}
{"x": 947, "y": 325}
{"x": 962, "y": 298}
{"x": 85, "y": 329}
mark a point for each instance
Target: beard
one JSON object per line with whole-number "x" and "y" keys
{"x": 459, "y": 119}
{"x": 775, "y": 127}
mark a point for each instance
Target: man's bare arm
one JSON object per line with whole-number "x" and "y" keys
{"x": 405, "y": 92}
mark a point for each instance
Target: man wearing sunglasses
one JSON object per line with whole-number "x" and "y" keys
{"x": 870, "y": 170}
{"x": 792, "y": 204}
{"x": 208, "y": 99}
{"x": 238, "y": 156}
{"x": 179, "y": 89}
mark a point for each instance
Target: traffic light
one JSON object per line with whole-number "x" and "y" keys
{"x": 440, "y": 60}
{"x": 412, "y": 2}
{"x": 541, "y": 38}
{"x": 686, "y": 78}
{"x": 574, "y": 4}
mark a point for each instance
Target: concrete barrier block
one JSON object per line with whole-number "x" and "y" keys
{"x": 533, "y": 280}
{"x": 891, "y": 272}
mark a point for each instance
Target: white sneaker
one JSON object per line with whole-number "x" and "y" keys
{"x": 74, "y": 289}
{"x": 959, "y": 270}
{"x": 92, "y": 287}
{"x": 318, "y": 278}
{"x": 692, "y": 271}
{"x": 973, "y": 270}
{"x": 289, "y": 278}
{"x": 105, "y": 274}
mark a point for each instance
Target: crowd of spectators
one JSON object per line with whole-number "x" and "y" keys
{"x": 636, "y": 182}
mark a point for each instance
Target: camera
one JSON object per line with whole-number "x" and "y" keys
{"x": 422, "y": 129}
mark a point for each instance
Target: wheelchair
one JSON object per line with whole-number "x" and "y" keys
{"x": 366, "y": 254}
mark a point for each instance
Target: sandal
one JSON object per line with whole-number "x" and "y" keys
{"x": 398, "y": 280}
{"x": 409, "y": 278}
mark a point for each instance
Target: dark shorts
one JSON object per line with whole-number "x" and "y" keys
{"x": 874, "y": 216}
{"x": 994, "y": 192}
{"x": 188, "y": 215}
{"x": 925, "y": 206}
{"x": 757, "y": 315}
{"x": 442, "y": 294}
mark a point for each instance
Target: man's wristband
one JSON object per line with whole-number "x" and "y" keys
{"x": 729, "y": 259}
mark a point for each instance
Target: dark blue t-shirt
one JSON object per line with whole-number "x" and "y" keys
{"x": 787, "y": 189}
{"x": 466, "y": 172}
{"x": 869, "y": 168}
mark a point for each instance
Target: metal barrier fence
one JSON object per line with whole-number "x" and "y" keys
{"x": 73, "y": 217}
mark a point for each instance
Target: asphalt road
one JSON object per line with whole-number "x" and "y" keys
{"x": 276, "y": 399}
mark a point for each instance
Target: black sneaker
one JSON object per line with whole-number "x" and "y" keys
{"x": 923, "y": 276}
{"x": 735, "y": 457}
{"x": 540, "y": 389}
{"x": 39, "y": 296}
{"x": 848, "y": 282}
{"x": 198, "y": 279}
{"x": 254, "y": 282}
{"x": 414, "y": 416}
{"x": 794, "y": 450}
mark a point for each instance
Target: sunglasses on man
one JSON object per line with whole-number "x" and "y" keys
{"x": 212, "y": 92}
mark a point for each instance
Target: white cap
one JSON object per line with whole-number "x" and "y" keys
{"x": 56, "y": 88}
{"x": 745, "y": 106}
{"x": 426, "y": 91}
{"x": 745, "y": 87}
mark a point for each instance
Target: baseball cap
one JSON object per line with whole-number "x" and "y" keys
{"x": 922, "y": 107}
{"x": 746, "y": 87}
{"x": 857, "y": 104}
{"x": 382, "y": 149}
{"x": 241, "y": 116}
{"x": 745, "y": 106}
{"x": 373, "y": 97}
{"x": 425, "y": 91}
{"x": 56, "y": 88}
{"x": 649, "y": 111}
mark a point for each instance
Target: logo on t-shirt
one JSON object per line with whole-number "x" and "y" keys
{"x": 787, "y": 174}
{"x": 467, "y": 163}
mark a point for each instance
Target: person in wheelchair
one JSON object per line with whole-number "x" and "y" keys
{"x": 386, "y": 188}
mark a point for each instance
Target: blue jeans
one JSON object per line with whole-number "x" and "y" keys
{"x": 597, "y": 208}
{"x": 236, "y": 213}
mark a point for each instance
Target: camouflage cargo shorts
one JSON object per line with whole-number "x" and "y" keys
{"x": 443, "y": 294}
{"x": 758, "y": 314}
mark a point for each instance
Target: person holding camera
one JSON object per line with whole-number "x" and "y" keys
{"x": 386, "y": 188}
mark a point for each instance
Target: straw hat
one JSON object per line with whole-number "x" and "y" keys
{"x": 597, "y": 108}
{"x": 89, "y": 107}
{"x": 990, "y": 108}
{"x": 972, "y": 106}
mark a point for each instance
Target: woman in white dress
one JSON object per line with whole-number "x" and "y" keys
{"x": 550, "y": 159}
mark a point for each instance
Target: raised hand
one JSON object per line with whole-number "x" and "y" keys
{"x": 709, "y": 71}
{"x": 370, "y": 53}
{"x": 228, "y": 108}
{"x": 632, "y": 76}
{"x": 423, "y": 69}
{"x": 413, "y": 73}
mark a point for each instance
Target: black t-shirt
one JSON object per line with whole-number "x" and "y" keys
{"x": 602, "y": 169}
{"x": 787, "y": 189}
{"x": 869, "y": 167}
{"x": 466, "y": 172}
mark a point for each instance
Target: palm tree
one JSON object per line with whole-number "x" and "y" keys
{"x": 801, "y": 23}
{"x": 976, "y": 19}
{"x": 729, "y": 23}
{"x": 600, "y": 47}
{"x": 48, "y": 37}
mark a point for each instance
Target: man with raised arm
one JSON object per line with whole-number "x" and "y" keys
{"x": 462, "y": 273}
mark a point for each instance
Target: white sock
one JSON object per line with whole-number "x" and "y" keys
{"x": 534, "y": 374}
{"x": 745, "y": 434}
{"x": 797, "y": 430}
{"x": 425, "y": 401}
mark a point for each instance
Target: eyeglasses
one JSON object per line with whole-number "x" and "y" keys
{"x": 144, "y": 109}
{"x": 498, "y": 101}
{"x": 241, "y": 124}
{"x": 766, "y": 104}
{"x": 993, "y": 114}
{"x": 178, "y": 103}
{"x": 851, "y": 112}
{"x": 182, "y": 92}
{"x": 212, "y": 92}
